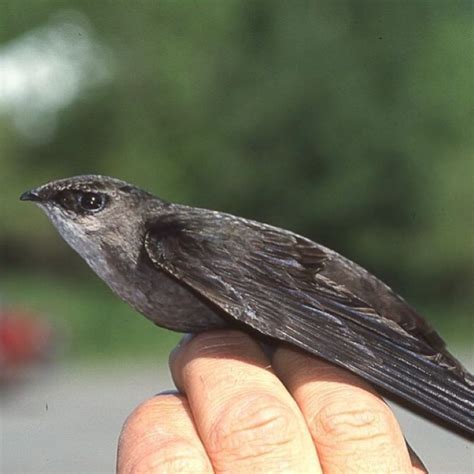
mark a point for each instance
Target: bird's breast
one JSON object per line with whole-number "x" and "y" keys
{"x": 153, "y": 293}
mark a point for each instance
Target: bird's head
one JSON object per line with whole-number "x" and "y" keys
{"x": 93, "y": 212}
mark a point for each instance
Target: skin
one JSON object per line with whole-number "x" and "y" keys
{"x": 237, "y": 410}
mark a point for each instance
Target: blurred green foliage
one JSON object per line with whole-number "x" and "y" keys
{"x": 349, "y": 122}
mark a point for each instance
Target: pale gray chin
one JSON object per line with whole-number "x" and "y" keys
{"x": 73, "y": 233}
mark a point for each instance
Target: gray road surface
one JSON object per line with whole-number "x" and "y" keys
{"x": 67, "y": 420}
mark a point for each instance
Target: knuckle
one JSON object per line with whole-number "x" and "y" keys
{"x": 146, "y": 446}
{"x": 252, "y": 426}
{"x": 346, "y": 419}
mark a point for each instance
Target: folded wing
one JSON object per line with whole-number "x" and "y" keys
{"x": 289, "y": 288}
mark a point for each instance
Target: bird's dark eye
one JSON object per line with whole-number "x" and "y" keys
{"x": 81, "y": 202}
{"x": 91, "y": 202}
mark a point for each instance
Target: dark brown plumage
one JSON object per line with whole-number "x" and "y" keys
{"x": 193, "y": 269}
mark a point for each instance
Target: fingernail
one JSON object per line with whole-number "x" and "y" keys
{"x": 170, "y": 391}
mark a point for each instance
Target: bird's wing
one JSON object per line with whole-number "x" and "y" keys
{"x": 275, "y": 282}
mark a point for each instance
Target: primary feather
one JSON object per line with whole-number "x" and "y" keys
{"x": 294, "y": 290}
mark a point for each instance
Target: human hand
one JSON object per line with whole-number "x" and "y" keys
{"x": 239, "y": 412}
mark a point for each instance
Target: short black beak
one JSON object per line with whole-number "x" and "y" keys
{"x": 30, "y": 196}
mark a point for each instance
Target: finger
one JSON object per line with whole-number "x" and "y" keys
{"x": 160, "y": 436}
{"x": 247, "y": 420}
{"x": 352, "y": 427}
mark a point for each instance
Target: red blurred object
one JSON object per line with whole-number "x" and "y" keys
{"x": 25, "y": 339}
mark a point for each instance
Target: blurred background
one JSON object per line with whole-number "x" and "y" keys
{"x": 348, "y": 122}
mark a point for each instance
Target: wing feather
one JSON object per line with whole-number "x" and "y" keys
{"x": 287, "y": 287}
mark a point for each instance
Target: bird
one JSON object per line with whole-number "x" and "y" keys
{"x": 191, "y": 269}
